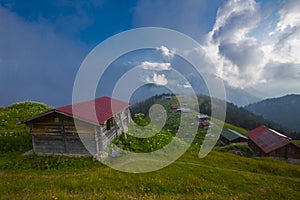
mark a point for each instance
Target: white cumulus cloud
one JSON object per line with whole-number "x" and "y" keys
{"x": 158, "y": 79}
{"x": 289, "y": 15}
{"x": 166, "y": 52}
{"x": 156, "y": 66}
{"x": 233, "y": 52}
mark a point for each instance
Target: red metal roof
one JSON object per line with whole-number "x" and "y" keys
{"x": 96, "y": 111}
{"x": 267, "y": 139}
{"x": 174, "y": 106}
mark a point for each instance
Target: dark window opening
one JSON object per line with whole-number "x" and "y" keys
{"x": 109, "y": 124}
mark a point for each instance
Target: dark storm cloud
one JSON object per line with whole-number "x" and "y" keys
{"x": 35, "y": 61}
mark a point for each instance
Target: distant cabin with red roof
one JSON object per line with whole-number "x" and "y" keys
{"x": 267, "y": 142}
{"x": 174, "y": 106}
{"x": 79, "y": 129}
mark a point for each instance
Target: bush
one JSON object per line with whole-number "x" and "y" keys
{"x": 144, "y": 145}
{"x": 13, "y": 137}
{"x": 15, "y": 142}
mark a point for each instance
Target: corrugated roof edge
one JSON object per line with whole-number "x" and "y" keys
{"x": 50, "y": 112}
{"x": 239, "y": 134}
{"x": 35, "y": 117}
{"x": 66, "y": 114}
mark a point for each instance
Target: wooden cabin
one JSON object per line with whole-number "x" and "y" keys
{"x": 204, "y": 121}
{"x": 184, "y": 110}
{"x": 229, "y": 136}
{"x": 267, "y": 142}
{"x": 79, "y": 129}
{"x": 168, "y": 97}
{"x": 174, "y": 106}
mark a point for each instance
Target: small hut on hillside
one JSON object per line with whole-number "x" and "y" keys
{"x": 229, "y": 136}
{"x": 174, "y": 106}
{"x": 79, "y": 129}
{"x": 169, "y": 97}
{"x": 267, "y": 142}
{"x": 204, "y": 121}
{"x": 184, "y": 110}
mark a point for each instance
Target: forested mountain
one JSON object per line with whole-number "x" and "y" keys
{"x": 283, "y": 110}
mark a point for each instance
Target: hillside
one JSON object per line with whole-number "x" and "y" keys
{"x": 11, "y": 115}
{"x": 220, "y": 175}
{"x": 235, "y": 115}
{"x": 284, "y": 111}
{"x": 217, "y": 176}
{"x": 16, "y": 137}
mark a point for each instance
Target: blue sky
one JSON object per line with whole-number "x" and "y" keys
{"x": 255, "y": 45}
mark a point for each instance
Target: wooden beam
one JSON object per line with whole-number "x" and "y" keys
{"x": 121, "y": 121}
{"x": 128, "y": 122}
{"x": 96, "y": 139}
{"x": 101, "y": 138}
{"x": 63, "y": 133}
{"x": 32, "y": 139}
{"x": 98, "y": 132}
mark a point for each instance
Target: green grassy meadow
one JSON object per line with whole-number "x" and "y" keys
{"x": 217, "y": 176}
{"x": 220, "y": 175}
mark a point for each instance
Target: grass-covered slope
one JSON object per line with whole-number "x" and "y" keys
{"x": 235, "y": 115}
{"x": 220, "y": 175}
{"x": 11, "y": 115}
{"x": 217, "y": 176}
{"x": 16, "y": 137}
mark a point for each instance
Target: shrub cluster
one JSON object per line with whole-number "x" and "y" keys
{"x": 15, "y": 142}
{"x": 50, "y": 162}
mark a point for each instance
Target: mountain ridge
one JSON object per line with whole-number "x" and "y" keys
{"x": 283, "y": 110}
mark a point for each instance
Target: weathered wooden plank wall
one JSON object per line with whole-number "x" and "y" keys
{"x": 56, "y": 133}
{"x": 58, "y": 144}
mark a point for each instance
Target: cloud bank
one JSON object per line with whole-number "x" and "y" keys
{"x": 245, "y": 61}
{"x": 36, "y": 62}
